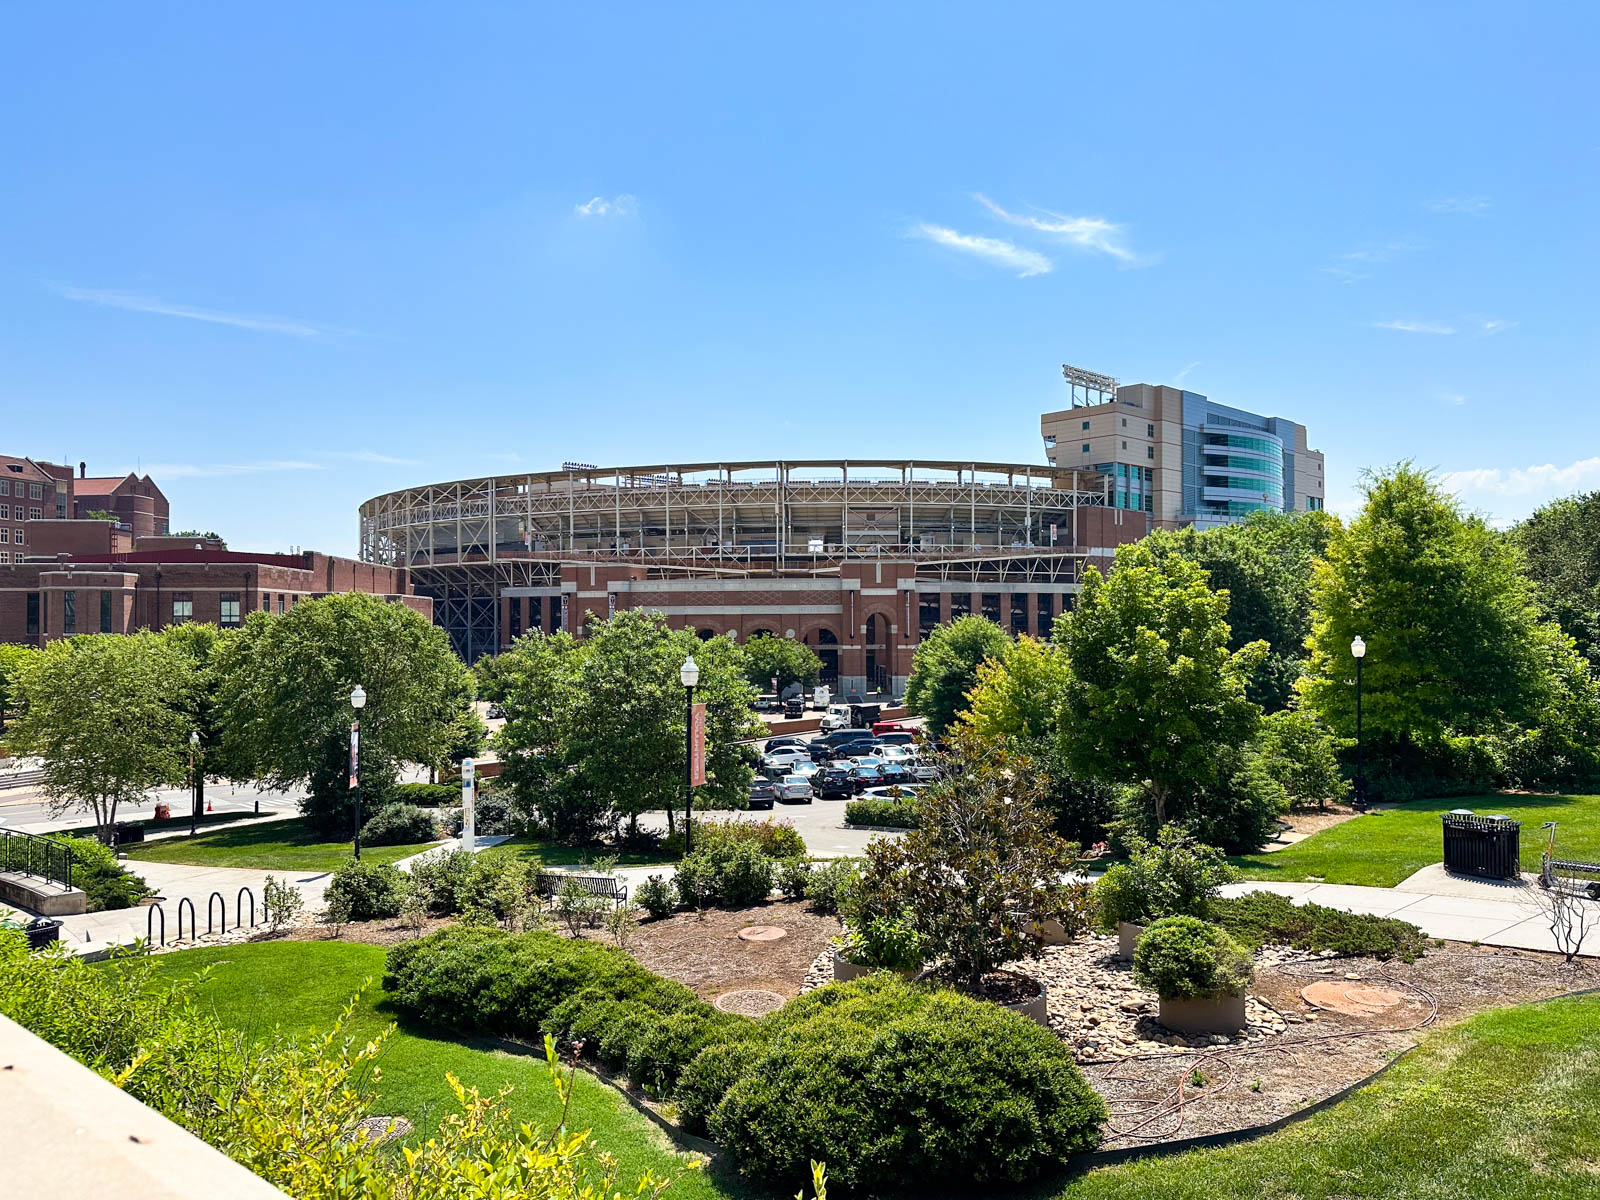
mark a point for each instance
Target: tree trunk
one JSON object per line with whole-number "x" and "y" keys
{"x": 1158, "y": 793}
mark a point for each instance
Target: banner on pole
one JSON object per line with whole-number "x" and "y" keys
{"x": 697, "y": 746}
{"x": 355, "y": 753}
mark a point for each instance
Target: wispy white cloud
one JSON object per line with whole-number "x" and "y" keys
{"x": 996, "y": 250}
{"x": 1515, "y": 482}
{"x": 214, "y": 470}
{"x": 1183, "y": 374}
{"x": 1455, "y": 398}
{"x": 1414, "y": 326}
{"x": 1493, "y": 325}
{"x": 1472, "y": 206}
{"x": 141, "y": 303}
{"x": 370, "y": 456}
{"x": 1087, "y": 233}
{"x": 616, "y": 206}
{"x": 1352, "y": 266}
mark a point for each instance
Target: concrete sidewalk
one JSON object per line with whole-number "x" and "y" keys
{"x": 1452, "y": 907}
{"x": 94, "y": 933}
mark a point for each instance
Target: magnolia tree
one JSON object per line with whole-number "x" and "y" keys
{"x": 984, "y": 872}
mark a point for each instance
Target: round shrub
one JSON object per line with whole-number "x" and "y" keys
{"x": 832, "y": 883}
{"x": 709, "y": 1075}
{"x": 744, "y": 876}
{"x": 368, "y": 891}
{"x": 657, "y": 897}
{"x": 1180, "y": 958}
{"x": 895, "y": 1086}
{"x": 399, "y": 825}
{"x": 696, "y": 881}
{"x": 794, "y": 875}
{"x": 657, "y": 1058}
{"x": 891, "y": 814}
{"x": 775, "y": 839}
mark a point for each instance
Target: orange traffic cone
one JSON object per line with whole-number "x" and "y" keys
{"x": 208, "y": 806}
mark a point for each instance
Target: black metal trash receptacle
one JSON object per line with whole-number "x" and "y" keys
{"x": 1488, "y": 847}
{"x": 128, "y": 831}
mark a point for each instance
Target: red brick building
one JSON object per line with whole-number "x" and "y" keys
{"x": 132, "y": 500}
{"x": 124, "y": 591}
{"x": 30, "y": 490}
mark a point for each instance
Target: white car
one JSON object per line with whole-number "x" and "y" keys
{"x": 786, "y": 757}
{"x": 805, "y": 768}
{"x": 794, "y": 787}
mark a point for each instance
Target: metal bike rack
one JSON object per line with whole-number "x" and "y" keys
{"x": 194, "y": 924}
{"x": 150, "y": 914}
{"x": 238, "y": 908}
{"x": 223, "y": 906}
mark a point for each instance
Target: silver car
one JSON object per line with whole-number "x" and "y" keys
{"x": 795, "y": 788}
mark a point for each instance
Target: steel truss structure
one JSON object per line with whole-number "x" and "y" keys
{"x": 467, "y": 540}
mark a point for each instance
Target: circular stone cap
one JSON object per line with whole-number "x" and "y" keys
{"x": 1355, "y": 999}
{"x": 749, "y": 1002}
{"x": 761, "y": 933}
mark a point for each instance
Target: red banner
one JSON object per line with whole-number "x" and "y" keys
{"x": 697, "y": 746}
{"x": 355, "y": 753}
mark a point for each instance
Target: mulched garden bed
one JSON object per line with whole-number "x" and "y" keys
{"x": 1160, "y": 1087}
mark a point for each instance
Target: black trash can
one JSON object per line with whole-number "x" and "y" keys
{"x": 1488, "y": 847}
{"x": 41, "y": 932}
{"x": 128, "y": 831}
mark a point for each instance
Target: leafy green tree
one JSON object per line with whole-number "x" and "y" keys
{"x": 1017, "y": 694}
{"x": 1560, "y": 546}
{"x": 198, "y": 642}
{"x": 789, "y": 661}
{"x": 945, "y": 668}
{"x": 1155, "y": 697}
{"x": 104, "y": 713}
{"x": 1264, "y": 563}
{"x": 284, "y": 694}
{"x": 595, "y": 729}
{"x": 1300, "y": 754}
{"x": 12, "y": 659}
{"x": 1448, "y": 618}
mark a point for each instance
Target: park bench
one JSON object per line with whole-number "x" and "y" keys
{"x": 606, "y": 887}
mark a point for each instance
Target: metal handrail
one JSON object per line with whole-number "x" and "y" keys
{"x": 31, "y": 854}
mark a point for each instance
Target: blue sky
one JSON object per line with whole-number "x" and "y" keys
{"x": 289, "y": 256}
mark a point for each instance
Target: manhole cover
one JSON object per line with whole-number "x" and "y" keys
{"x": 1356, "y": 999}
{"x": 750, "y": 1002}
{"x": 382, "y": 1129}
{"x": 761, "y": 933}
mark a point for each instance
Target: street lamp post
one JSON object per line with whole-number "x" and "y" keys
{"x": 358, "y": 701}
{"x": 1358, "y": 651}
{"x": 194, "y": 783}
{"x": 688, "y": 676}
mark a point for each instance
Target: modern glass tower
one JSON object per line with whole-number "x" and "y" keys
{"x": 1181, "y": 457}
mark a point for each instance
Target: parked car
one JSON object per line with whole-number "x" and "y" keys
{"x": 833, "y": 783}
{"x": 924, "y": 772}
{"x": 794, "y": 788}
{"x": 762, "y": 793}
{"x": 893, "y": 772}
{"x": 794, "y": 709}
{"x": 829, "y": 744}
{"x": 894, "y": 791}
{"x": 785, "y": 756}
{"x": 895, "y": 737}
{"x": 787, "y": 739}
{"x": 864, "y": 777}
{"x": 805, "y": 769}
{"x": 879, "y": 728}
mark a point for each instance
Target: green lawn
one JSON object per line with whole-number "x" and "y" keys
{"x": 1382, "y": 848}
{"x": 151, "y": 825}
{"x": 302, "y": 985}
{"x": 556, "y": 855}
{"x": 271, "y": 846}
{"x": 1505, "y": 1106}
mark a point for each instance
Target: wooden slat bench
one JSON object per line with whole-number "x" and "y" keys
{"x": 607, "y": 887}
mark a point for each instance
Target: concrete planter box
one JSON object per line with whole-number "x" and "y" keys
{"x": 1127, "y": 938}
{"x": 844, "y": 970}
{"x": 1036, "y": 1009}
{"x": 1203, "y": 1014}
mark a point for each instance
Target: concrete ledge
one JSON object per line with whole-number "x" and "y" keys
{"x": 40, "y": 896}
{"x": 69, "y": 1132}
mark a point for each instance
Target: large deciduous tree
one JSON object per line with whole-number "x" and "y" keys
{"x": 767, "y": 658}
{"x": 1451, "y": 630}
{"x": 945, "y": 666}
{"x": 284, "y": 692}
{"x": 105, "y": 715}
{"x": 1155, "y": 697}
{"x": 12, "y": 659}
{"x": 1560, "y": 545}
{"x": 595, "y": 729}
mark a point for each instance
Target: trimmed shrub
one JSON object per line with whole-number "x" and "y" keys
{"x": 896, "y": 1086}
{"x": 744, "y": 876}
{"x": 102, "y": 878}
{"x": 831, "y": 884}
{"x": 428, "y": 795}
{"x": 657, "y": 1057}
{"x": 1175, "y": 876}
{"x": 894, "y": 814}
{"x": 775, "y": 839}
{"x": 886, "y": 943}
{"x": 368, "y": 891}
{"x": 1261, "y": 918}
{"x": 1180, "y": 958}
{"x": 695, "y": 882}
{"x": 657, "y": 897}
{"x": 710, "y": 1075}
{"x": 399, "y": 825}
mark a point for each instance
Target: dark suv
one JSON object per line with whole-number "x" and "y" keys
{"x": 833, "y": 783}
{"x": 841, "y": 743}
